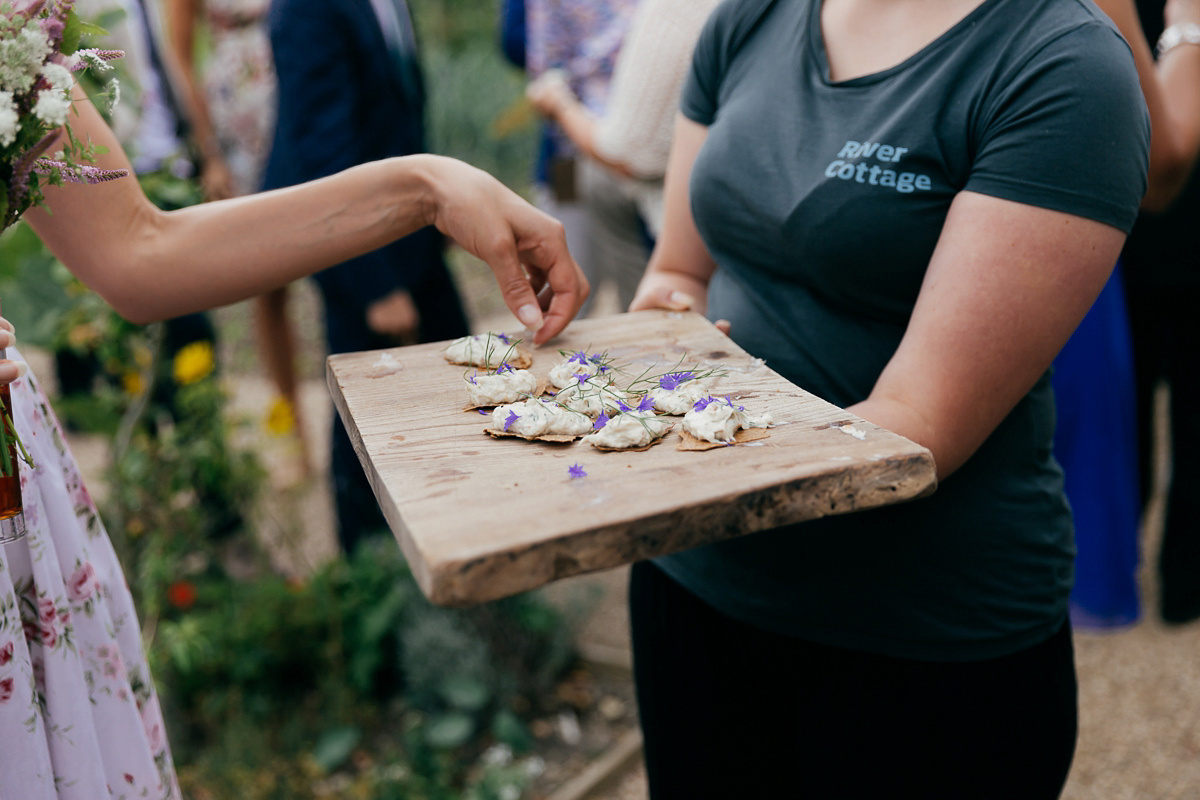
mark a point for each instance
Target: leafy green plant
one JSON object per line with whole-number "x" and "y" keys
{"x": 340, "y": 673}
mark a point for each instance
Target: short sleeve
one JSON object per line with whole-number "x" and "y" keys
{"x": 1069, "y": 131}
{"x": 699, "y": 100}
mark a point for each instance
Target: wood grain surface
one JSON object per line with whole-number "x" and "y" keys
{"x": 481, "y": 518}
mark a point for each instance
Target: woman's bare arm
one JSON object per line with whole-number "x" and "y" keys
{"x": 150, "y": 264}
{"x": 180, "y": 58}
{"x": 680, "y": 268}
{"x": 1171, "y": 87}
{"x": 1006, "y": 287}
{"x": 554, "y": 101}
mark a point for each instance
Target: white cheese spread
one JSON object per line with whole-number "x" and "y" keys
{"x": 482, "y": 350}
{"x": 678, "y": 400}
{"x": 563, "y": 375}
{"x": 630, "y": 429}
{"x": 503, "y": 387}
{"x": 719, "y": 421}
{"x": 539, "y": 418}
{"x": 591, "y": 396}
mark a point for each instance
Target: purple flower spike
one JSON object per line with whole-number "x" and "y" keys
{"x": 503, "y": 337}
{"x": 512, "y": 417}
{"x": 671, "y": 380}
{"x": 703, "y": 403}
{"x": 576, "y": 471}
{"x": 601, "y": 421}
{"x": 579, "y": 358}
{"x": 647, "y": 403}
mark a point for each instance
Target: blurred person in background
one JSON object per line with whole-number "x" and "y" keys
{"x": 351, "y": 91}
{"x": 633, "y": 137}
{"x": 1098, "y": 439}
{"x": 604, "y": 229}
{"x": 1162, "y": 282}
{"x": 233, "y": 116}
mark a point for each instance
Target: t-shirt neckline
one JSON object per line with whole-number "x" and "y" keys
{"x": 817, "y": 51}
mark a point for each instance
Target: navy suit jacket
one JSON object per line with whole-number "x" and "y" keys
{"x": 342, "y": 102}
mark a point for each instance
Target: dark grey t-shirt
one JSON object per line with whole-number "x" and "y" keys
{"x": 822, "y": 204}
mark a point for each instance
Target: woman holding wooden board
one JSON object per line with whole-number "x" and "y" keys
{"x": 906, "y": 208}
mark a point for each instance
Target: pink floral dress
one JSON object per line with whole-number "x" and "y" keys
{"x": 79, "y": 717}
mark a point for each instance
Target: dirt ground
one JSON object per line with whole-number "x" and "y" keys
{"x": 1139, "y": 687}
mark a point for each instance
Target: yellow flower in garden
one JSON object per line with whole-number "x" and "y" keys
{"x": 193, "y": 362}
{"x": 133, "y": 383}
{"x": 281, "y": 418}
{"x": 82, "y": 336}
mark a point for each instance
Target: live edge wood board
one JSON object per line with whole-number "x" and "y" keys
{"x": 481, "y": 518}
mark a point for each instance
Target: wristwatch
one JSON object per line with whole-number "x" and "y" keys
{"x": 1183, "y": 33}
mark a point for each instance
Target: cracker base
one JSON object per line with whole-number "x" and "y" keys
{"x": 689, "y": 442}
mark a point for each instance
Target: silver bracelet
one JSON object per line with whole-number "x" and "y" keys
{"x": 1183, "y": 33}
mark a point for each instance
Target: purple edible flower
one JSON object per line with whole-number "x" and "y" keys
{"x": 623, "y": 407}
{"x": 671, "y": 380}
{"x": 503, "y": 368}
{"x": 647, "y": 403}
{"x": 729, "y": 403}
{"x": 484, "y": 412}
{"x": 503, "y": 337}
{"x": 576, "y": 471}
{"x": 472, "y": 378}
{"x": 579, "y": 358}
{"x": 601, "y": 421}
{"x": 512, "y": 417}
{"x": 703, "y": 403}
{"x": 582, "y": 377}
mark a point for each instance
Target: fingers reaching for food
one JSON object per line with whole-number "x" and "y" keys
{"x": 525, "y": 248}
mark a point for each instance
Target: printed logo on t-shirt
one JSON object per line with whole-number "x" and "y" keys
{"x": 847, "y": 168}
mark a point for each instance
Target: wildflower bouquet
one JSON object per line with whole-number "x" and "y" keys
{"x": 39, "y": 51}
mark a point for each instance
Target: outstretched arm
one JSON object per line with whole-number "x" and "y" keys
{"x": 149, "y": 264}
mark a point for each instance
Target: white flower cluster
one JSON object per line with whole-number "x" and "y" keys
{"x": 54, "y": 103}
{"x": 22, "y": 58}
{"x": 10, "y": 121}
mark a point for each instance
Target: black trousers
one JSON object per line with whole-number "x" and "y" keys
{"x": 1166, "y": 341}
{"x": 731, "y": 711}
{"x": 346, "y": 331}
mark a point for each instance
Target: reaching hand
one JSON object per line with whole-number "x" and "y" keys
{"x": 394, "y": 315}
{"x": 217, "y": 180}
{"x": 550, "y": 93}
{"x": 525, "y": 248}
{"x": 9, "y": 370}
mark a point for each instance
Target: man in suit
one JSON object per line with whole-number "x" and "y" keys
{"x": 351, "y": 91}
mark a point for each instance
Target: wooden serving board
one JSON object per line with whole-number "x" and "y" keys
{"x": 481, "y": 518}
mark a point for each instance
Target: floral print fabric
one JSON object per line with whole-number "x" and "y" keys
{"x": 79, "y": 718}
{"x": 240, "y": 87}
{"x": 582, "y": 38}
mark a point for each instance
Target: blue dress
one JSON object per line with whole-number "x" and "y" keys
{"x": 1095, "y": 441}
